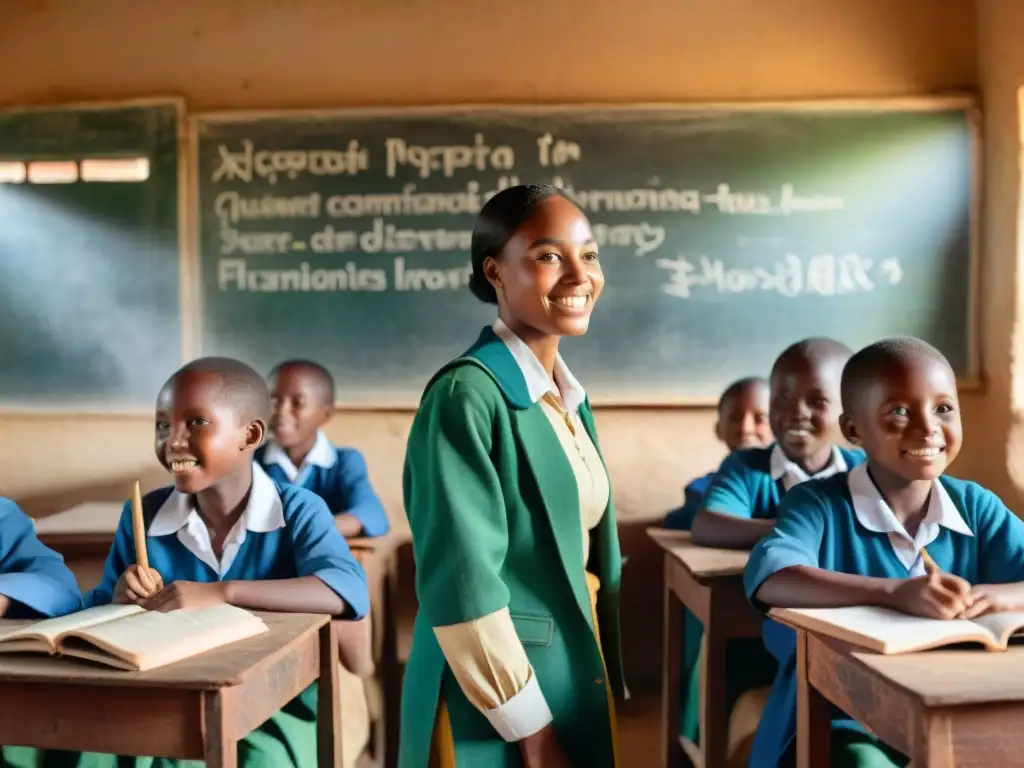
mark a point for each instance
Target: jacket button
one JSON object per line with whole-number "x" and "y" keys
{"x": 599, "y": 681}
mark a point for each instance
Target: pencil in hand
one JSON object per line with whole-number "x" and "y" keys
{"x": 139, "y": 529}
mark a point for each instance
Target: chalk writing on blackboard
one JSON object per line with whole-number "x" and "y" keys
{"x": 822, "y": 274}
{"x": 271, "y": 165}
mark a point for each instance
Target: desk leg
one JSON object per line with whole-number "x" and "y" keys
{"x": 328, "y": 715}
{"x": 219, "y": 750}
{"x": 714, "y": 735}
{"x": 673, "y": 635}
{"x": 813, "y": 723}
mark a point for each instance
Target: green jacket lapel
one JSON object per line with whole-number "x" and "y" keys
{"x": 544, "y": 454}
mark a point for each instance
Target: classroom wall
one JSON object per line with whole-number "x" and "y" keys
{"x": 295, "y": 53}
{"x": 242, "y": 53}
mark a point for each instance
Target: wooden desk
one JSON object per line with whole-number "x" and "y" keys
{"x": 195, "y": 709}
{"x": 940, "y": 708}
{"x": 379, "y": 556}
{"x": 710, "y": 583}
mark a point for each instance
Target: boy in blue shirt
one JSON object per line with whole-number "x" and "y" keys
{"x": 803, "y": 411}
{"x": 34, "y": 581}
{"x": 739, "y": 507}
{"x": 742, "y": 423}
{"x": 859, "y": 539}
{"x": 226, "y": 533}
{"x": 300, "y": 453}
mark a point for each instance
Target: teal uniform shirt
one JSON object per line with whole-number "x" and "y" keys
{"x": 842, "y": 524}
{"x": 750, "y": 483}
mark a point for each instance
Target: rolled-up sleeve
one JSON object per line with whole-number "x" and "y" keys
{"x": 457, "y": 515}
{"x": 491, "y": 667}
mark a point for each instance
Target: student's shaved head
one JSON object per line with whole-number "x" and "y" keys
{"x": 817, "y": 352}
{"x": 241, "y": 386}
{"x": 316, "y": 374}
{"x": 868, "y": 364}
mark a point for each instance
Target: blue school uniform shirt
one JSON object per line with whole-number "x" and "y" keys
{"x": 285, "y": 532}
{"x": 751, "y": 484}
{"x": 338, "y": 475}
{"x": 843, "y": 524}
{"x": 681, "y": 519}
{"x": 32, "y": 576}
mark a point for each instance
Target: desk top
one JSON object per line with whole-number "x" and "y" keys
{"x": 100, "y": 518}
{"x": 92, "y": 517}
{"x": 950, "y": 678}
{"x": 701, "y": 562}
{"x": 229, "y": 665}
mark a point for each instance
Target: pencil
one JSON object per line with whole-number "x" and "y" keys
{"x": 139, "y": 528}
{"x": 927, "y": 560}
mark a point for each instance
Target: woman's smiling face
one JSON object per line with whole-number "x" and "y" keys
{"x": 548, "y": 276}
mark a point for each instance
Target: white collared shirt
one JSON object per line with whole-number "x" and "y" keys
{"x": 322, "y": 454}
{"x": 875, "y": 514}
{"x": 565, "y": 385}
{"x": 263, "y": 513}
{"x": 792, "y": 474}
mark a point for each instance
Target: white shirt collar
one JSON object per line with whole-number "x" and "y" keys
{"x": 263, "y": 513}
{"x": 792, "y": 474}
{"x": 875, "y": 514}
{"x": 537, "y": 382}
{"x": 322, "y": 454}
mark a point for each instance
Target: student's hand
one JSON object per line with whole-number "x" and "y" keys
{"x": 187, "y": 594}
{"x": 136, "y": 585}
{"x": 995, "y": 598}
{"x": 936, "y": 595}
{"x": 5, "y": 603}
{"x": 542, "y": 750}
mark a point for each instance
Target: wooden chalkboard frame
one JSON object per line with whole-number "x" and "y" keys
{"x": 185, "y": 256}
{"x": 972, "y": 382}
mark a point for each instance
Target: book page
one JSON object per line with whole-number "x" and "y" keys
{"x": 49, "y": 630}
{"x": 1002, "y": 625}
{"x": 884, "y": 630}
{"x": 150, "y": 639}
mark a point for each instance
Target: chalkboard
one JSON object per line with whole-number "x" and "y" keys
{"x": 89, "y": 286}
{"x": 725, "y": 233}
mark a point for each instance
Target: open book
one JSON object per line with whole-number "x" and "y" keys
{"x": 132, "y": 638}
{"x": 891, "y": 632}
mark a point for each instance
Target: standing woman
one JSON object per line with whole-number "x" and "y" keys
{"x": 517, "y": 552}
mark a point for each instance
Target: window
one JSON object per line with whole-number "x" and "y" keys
{"x": 93, "y": 169}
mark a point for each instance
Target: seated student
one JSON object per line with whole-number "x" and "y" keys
{"x": 742, "y": 423}
{"x": 300, "y": 452}
{"x": 739, "y": 507}
{"x": 226, "y": 533}
{"x": 34, "y": 582}
{"x": 859, "y": 539}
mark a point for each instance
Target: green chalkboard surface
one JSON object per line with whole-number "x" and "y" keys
{"x": 726, "y": 233}
{"x": 89, "y": 286}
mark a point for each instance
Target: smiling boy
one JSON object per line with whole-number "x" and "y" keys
{"x": 300, "y": 453}
{"x": 740, "y": 505}
{"x": 860, "y": 539}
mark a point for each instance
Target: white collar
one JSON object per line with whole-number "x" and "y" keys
{"x": 537, "y": 382}
{"x": 875, "y": 514}
{"x": 322, "y": 454}
{"x": 263, "y": 513}
{"x": 792, "y": 474}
